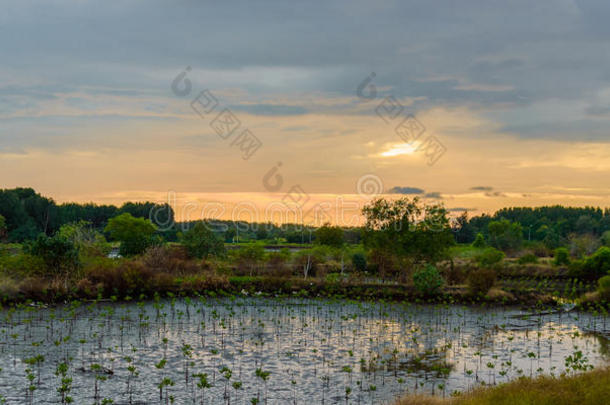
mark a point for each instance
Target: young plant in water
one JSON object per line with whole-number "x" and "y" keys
{"x": 202, "y": 384}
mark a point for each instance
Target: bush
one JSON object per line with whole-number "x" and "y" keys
{"x": 597, "y": 265}
{"x": 479, "y": 241}
{"x": 562, "y": 257}
{"x": 528, "y": 259}
{"x": 59, "y": 254}
{"x": 359, "y": 261}
{"x": 489, "y": 257}
{"x": 135, "y": 234}
{"x": 604, "y": 288}
{"x": 480, "y": 281}
{"x": 428, "y": 280}
{"x": 200, "y": 242}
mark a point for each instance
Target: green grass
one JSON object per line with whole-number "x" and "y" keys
{"x": 592, "y": 388}
{"x": 464, "y": 251}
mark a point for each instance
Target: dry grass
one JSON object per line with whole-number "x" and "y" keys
{"x": 592, "y": 388}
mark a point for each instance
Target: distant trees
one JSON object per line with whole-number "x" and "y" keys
{"x": 505, "y": 235}
{"x": 200, "y": 242}
{"x": 135, "y": 234}
{"x": 329, "y": 235}
{"x": 3, "y": 232}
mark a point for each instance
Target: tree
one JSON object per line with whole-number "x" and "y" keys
{"x": 428, "y": 280}
{"x": 251, "y": 255}
{"x": 135, "y": 234}
{"x": 479, "y": 241}
{"x": 3, "y": 231}
{"x": 359, "y": 261}
{"x": 505, "y": 235}
{"x": 329, "y": 235}
{"x": 598, "y": 264}
{"x": 606, "y": 238}
{"x": 59, "y": 254}
{"x": 85, "y": 237}
{"x": 200, "y": 242}
{"x": 407, "y": 228}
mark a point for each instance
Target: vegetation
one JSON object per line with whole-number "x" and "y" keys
{"x": 592, "y": 388}
{"x": 135, "y": 234}
{"x": 200, "y": 242}
{"x": 428, "y": 280}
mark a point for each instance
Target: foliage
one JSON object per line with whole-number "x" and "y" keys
{"x": 561, "y": 257}
{"x": 359, "y": 261}
{"x": 604, "y": 287}
{"x": 250, "y": 255}
{"x": 479, "y": 241}
{"x": 428, "y": 280}
{"x": 605, "y": 239}
{"x": 505, "y": 235}
{"x": 489, "y": 257}
{"x": 329, "y": 235}
{"x": 135, "y": 234}
{"x": 597, "y": 265}
{"x": 200, "y": 242}
{"x": 3, "y": 229}
{"x": 59, "y": 254}
{"x": 583, "y": 245}
{"x": 481, "y": 280}
{"x": 528, "y": 258}
{"x": 407, "y": 228}
{"x": 85, "y": 237}
{"x": 591, "y": 388}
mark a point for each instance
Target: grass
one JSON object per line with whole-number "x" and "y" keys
{"x": 592, "y": 388}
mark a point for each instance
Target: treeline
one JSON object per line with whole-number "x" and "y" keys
{"x": 27, "y": 214}
{"x": 552, "y": 225}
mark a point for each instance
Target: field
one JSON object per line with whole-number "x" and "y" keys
{"x": 247, "y": 350}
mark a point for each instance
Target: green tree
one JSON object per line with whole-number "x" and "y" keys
{"x": 59, "y": 254}
{"x": 479, "y": 241}
{"x": 428, "y": 280}
{"x": 606, "y": 238}
{"x": 85, "y": 237}
{"x": 407, "y": 228}
{"x": 3, "y": 229}
{"x": 135, "y": 234}
{"x": 200, "y": 242}
{"x": 505, "y": 235}
{"x": 359, "y": 261}
{"x": 251, "y": 255}
{"x": 329, "y": 235}
{"x": 562, "y": 257}
{"x": 598, "y": 264}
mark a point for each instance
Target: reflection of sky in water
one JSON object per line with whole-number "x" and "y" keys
{"x": 322, "y": 346}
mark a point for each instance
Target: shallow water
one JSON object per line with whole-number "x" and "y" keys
{"x": 313, "y": 349}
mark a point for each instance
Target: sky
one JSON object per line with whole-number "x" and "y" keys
{"x": 221, "y": 108}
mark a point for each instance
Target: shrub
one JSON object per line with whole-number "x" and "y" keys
{"x": 200, "y": 242}
{"x": 489, "y": 257}
{"x": 606, "y": 238}
{"x": 481, "y": 280}
{"x": 604, "y": 287}
{"x": 597, "y": 265}
{"x": 359, "y": 261}
{"x": 135, "y": 234}
{"x": 428, "y": 280}
{"x": 479, "y": 241}
{"x": 59, "y": 254}
{"x": 528, "y": 259}
{"x": 562, "y": 257}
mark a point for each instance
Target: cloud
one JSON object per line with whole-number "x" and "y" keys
{"x": 461, "y": 209}
{"x": 482, "y": 188}
{"x": 405, "y": 190}
{"x": 434, "y": 195}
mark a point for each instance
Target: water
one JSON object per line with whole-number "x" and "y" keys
{"x": 313, "y": 349}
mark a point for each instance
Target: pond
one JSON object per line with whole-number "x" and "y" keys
{"x": 281, "y": 351}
